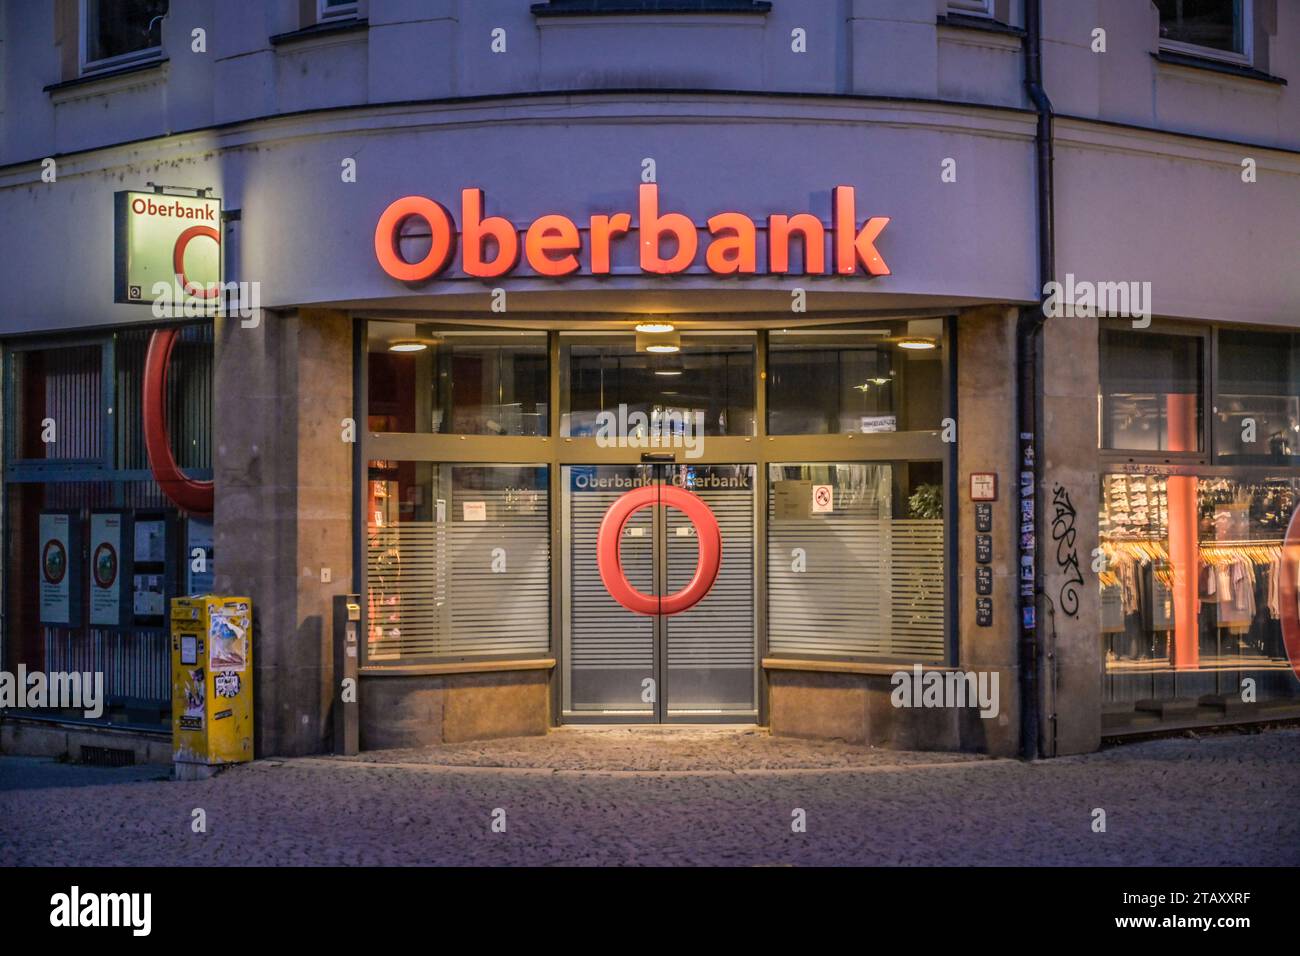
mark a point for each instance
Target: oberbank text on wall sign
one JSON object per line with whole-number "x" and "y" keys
{"x": 669, "y": 242}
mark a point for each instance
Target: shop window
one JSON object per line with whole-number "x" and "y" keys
{"x": 1215, "y": 28}
{"x": 119, "y": 32}
{"x": 1151, "y": 391}
{"x": 856, "y": 560}
{"x": 707, "y": 378}
{"x": 974, "y": 8}
{"x": 881, "y": 378}
{"x": 57, "y": 399}
{"x": 456, "y": 381}
{"x": 457, "y": 561}
{"x": 1257, "y": 398}
{"x": 94, "y": 549}
{"x": 1191, "y": 596}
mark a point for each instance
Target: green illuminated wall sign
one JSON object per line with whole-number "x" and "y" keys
{"x": 166, "y": 239}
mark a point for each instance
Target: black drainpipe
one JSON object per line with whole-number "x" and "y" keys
{"x": 1028, "y": 392}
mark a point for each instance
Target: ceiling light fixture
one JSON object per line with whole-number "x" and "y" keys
{"x": 916, "y": 344}
{"x": 655, "y": 328}
{"x": 407, "y": 345}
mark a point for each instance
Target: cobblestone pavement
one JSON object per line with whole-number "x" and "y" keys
{"x": 674, "y": 797}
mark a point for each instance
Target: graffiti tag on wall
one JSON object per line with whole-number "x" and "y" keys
{"x": 1067, "y": 555}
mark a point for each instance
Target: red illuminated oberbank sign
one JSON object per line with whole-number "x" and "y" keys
{"x": 669, "y": 242}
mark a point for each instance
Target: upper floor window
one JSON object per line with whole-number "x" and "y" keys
{"x": 120, "y": 32}
{"x": 1215, "y": 28}
{"x": 335, "y": 9}
{"x": 976, "y": 8}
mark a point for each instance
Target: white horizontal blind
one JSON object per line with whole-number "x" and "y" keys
{"x": 916, "y": 579}
{"x": 433, "y": 591}
{"x": 407, "y": 588}
{"x": 871, "y": 586}
{"x": 505, "y": 611}
{"x": 719, "y": 631}
{"x": 604, "y": 635}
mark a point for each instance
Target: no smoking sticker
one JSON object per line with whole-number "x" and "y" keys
{"x": 823, "y": 499}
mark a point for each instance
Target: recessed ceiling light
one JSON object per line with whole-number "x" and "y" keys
{"x": 663, "y": 348}
{"x": 407, "y": 345}
{"x": 918, "y": 344}
{"x": 654, "y": 328}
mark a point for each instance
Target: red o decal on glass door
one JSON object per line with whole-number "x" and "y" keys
{"x": 610, "y": 537}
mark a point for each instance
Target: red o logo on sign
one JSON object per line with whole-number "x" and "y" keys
{"x": 178, "y": 260}
{"x": 610, "y": 561}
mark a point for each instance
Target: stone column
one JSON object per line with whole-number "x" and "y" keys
{"x": 283, "y": 477}
{"x": 986, "y": 442}
{"x": 1070, "y": 639}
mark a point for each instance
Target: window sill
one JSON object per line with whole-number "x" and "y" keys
{"x": 1169, "y": 58}
{"x": 329, "y": 28}
{"x": 846, "y": 667}
{"x": 103, "y": 76}
{"x": 592, "y": 8}
{"x": 464, "y": 667}
{"x": 964, "y": 21}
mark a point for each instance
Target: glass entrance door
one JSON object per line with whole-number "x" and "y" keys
{"x": 695, "y": 665}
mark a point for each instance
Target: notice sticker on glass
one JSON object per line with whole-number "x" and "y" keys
{"x": 879, "y": 423}
{"x": 473, "y": 510}
{"x": 792, "y": 500}
{"x": 823, "y": 499}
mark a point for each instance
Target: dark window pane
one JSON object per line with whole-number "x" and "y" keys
{"x": 119, "y": 27}
{"x": 1209, "y": 23}
{"x": 1151, "y": 391}
{"x": 877, "y": 379}
{"x": 457, "y": 382}
{"x": 1257, "y": 398}
{"x": 710, "y": 381}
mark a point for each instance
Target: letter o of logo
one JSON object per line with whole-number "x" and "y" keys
{"x": 178, "y": 259}
{"x": 610, "y": 561}
{"x": 188, "y": 494}
{"x": 387, "y": 231}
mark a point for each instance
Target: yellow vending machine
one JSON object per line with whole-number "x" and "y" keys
{"x": 212, "y": 683}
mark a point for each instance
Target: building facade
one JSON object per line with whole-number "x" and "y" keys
{"x": 505, "y": 268}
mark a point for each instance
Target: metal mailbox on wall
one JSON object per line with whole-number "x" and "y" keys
{"x": 212, "y": 680}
